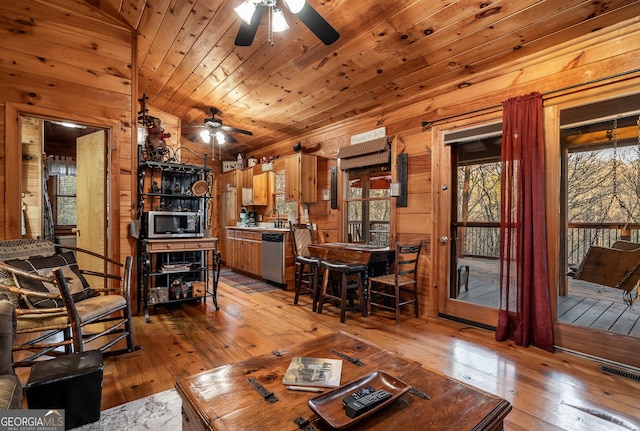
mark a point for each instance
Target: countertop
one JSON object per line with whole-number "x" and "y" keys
{"x": 259, "y": 228}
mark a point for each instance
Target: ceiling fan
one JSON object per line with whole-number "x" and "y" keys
{"x": 251, "y": 12}
{"x": 216, "y": 132}
{"x": 219, "y": 131}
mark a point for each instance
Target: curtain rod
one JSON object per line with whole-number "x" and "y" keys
{"x": 429, "y": 124}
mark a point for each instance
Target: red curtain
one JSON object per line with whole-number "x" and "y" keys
{"x": 525, "y": 310}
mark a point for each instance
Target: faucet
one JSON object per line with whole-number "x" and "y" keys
{"x": 278, "y": 223}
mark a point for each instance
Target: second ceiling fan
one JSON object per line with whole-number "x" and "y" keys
{"x": 217, "y": 133}
{"x": 216, "y": 129}
{"x": 251, "y": 12}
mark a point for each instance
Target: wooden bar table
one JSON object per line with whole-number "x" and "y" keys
{"x": 366, "y": 254}
{"x": 372, "y": 256}
{"x": 226, "y": 398}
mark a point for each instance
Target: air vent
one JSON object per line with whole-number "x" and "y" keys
{"x": 619, "y": 372}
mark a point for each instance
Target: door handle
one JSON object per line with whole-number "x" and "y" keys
{"x": 443, "y": 240}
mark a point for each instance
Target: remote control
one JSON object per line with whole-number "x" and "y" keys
{"x": 366, "y": 403}
{"x": 358, "y": 394}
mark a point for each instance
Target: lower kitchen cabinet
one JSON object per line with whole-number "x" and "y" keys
{"x": 244, "y": 248}
{"x": 244, "y": 251}
{"x": 251, "y": 255}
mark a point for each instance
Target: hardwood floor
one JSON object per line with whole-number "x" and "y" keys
{"x": 548, "y": 391}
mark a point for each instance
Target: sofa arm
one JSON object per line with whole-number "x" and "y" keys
{"x": 7, "y": 336}
{"x": 10, "y": 392}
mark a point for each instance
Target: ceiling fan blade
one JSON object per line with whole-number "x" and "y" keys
{"x": 233, "y": 129}
{"x": 247, "y": 32}
{"x": 227, "y": 137}
{"x": 318, "y": 25}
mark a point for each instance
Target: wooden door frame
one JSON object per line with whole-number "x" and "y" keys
{"x": 442, "y": 191}
{"x": 13, "y": 167}
{"x": 595, "y": 343}
{"x": 592, "y": 342}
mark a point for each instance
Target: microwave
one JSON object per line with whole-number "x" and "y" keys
{"x": 172, "y": 224}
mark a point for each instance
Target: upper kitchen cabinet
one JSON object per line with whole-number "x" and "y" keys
{"x": 246, "y": 186}
{"x": 261, "y": 188}
{"x": 301, "y": 172}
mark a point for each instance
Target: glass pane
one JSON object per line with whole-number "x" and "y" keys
{"x": 479, "y": 201}
{"x": 475, "y": 251}
{"x": 283, "y": 207}
{"x": 280, "y": 178}
{"x": 354, "y": 221}
{"x": 379, "y": 186}
{"x": 355, "y": 189}
{"x": 66, "y": 210}
{"x": 602, "y": 208}
{"x": 66, "y": 185}
{"x": 379, "y": 216}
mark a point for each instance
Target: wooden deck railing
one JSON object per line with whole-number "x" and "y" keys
{"x": 483, "y": 239}
{"x": 377, "y": 234}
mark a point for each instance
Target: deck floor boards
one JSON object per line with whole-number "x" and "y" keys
{"x": 587, "y": 304}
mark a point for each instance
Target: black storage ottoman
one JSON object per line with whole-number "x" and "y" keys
{"x": 71, "y": 382}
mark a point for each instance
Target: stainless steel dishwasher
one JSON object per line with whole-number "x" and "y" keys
{"x": 273, "y": 257}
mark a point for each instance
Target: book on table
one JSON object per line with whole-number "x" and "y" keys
{"x": 307, "y": 371}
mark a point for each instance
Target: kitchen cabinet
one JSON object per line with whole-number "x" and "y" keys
{"x": 251, "y": 257}
{"x": 245, "y": 248}
{"x": 261, "y": 188}
{"x": 246, "y": 179}
{"x": 244, "y": 251}
{"x": 301, "y": 172}
{"x": 229, "y": 256}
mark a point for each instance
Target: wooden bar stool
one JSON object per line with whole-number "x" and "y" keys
{"x": 307, "y": 267}
{"x": 338, "y": 293}
{"x": 307, "y": 279}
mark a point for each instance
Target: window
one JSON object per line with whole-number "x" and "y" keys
{"x": 66, "y": 200}
{"x": 368, "y": 205}
{"x": 61, "y": 188}
{"x": 282, "y": 208}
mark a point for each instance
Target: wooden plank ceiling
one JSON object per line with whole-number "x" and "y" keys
{"x": 388, "y": 53}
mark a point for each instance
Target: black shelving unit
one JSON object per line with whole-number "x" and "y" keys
{"x": 174, "y": 270}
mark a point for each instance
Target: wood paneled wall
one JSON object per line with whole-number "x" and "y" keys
{"x": 32, "y": 171}
{"x": 569, "y": 68}
{"x": 64, "y": 60}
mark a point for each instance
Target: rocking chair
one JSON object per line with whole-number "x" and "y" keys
{"x": 57, "y": 311}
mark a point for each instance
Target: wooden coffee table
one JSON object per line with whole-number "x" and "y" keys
{"x": 225, "y": 399}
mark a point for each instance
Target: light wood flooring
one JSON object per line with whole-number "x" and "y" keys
{"x": 586, "y": 304}
{"x": 548, "y": 391}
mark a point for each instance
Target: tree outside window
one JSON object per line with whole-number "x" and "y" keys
{"x": 368, "y": 205}
{"x": 64, "y": 200}
{"x": 280, "y": 205}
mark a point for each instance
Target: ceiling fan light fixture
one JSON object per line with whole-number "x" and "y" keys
{"x": 294, "y": 6}
{"x": 278, "y": 22}
{"x": 205, "y": 136}
{"x": 246, "y": 10}
{"x": 220, "y": 137}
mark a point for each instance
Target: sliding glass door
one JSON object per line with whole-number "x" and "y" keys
{"x": 473, "y": 242}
